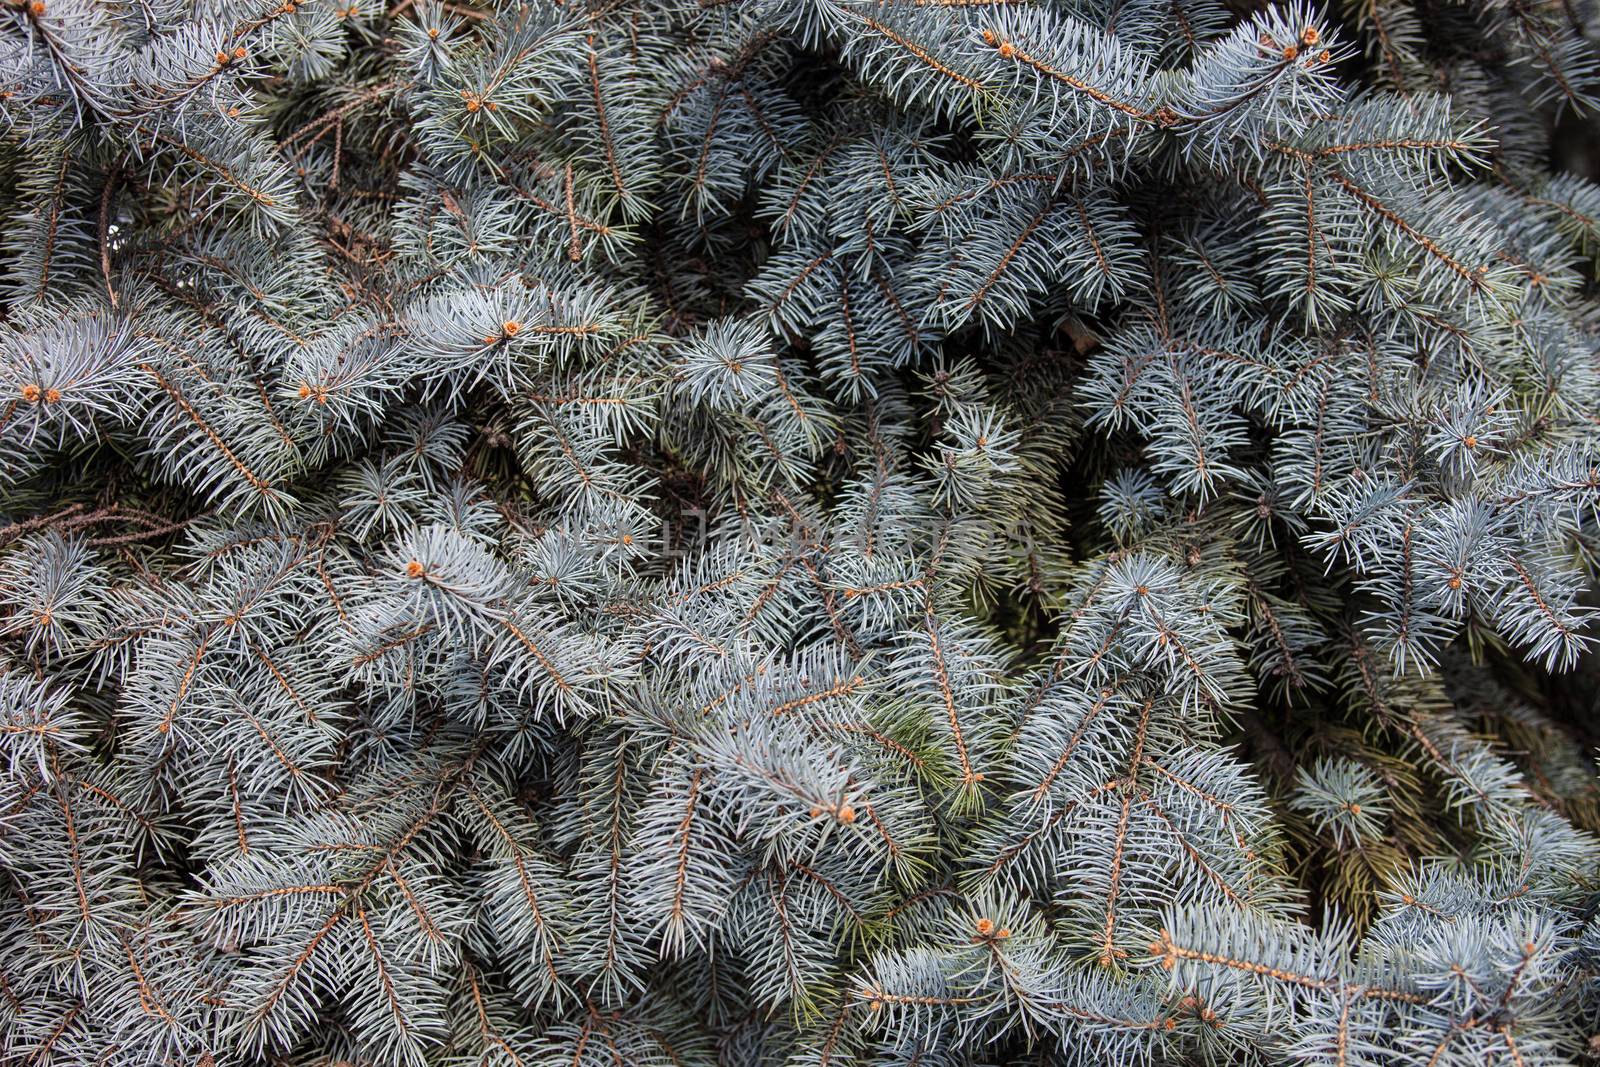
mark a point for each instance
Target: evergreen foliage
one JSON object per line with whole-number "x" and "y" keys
{"x": 684, "y": 532}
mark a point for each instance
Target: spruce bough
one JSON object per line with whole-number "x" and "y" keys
{"x": 688, "y": 532}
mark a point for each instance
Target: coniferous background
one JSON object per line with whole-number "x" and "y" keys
{"x": 743, "y": 532}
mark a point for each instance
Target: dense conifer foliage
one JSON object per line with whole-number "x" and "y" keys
{"x": 687, "y": 532}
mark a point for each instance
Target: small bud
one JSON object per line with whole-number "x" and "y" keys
{"x": 989, "y": 38}
{"x": 222, "y": 59}
{"x": 1324, "y": 55}
{"x": 240, "y": 52}
{"x": 847, "y": 815}
{"x": 511, "y": 327}
{"x": 52, "y": 395}
{"x": 1310, "y": 36}
{"x": 1003, "y": 933}
{"x": 305, "y": 391}
{"x": 1007, "y": 50}
{"x": 30, "y": 393}
{"x": 1291, "y": 51}
{"x": 433, "y": 33}
{"x": 490, "y": 339}
{"x": 985, "y": 927}
{"x": 37, "y": 7}
{"x": 1355, "y": 809}
{"x": 414, "y": 569}
{"x": 1454, "y": 582}
{"x": 1471, "y": 441}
